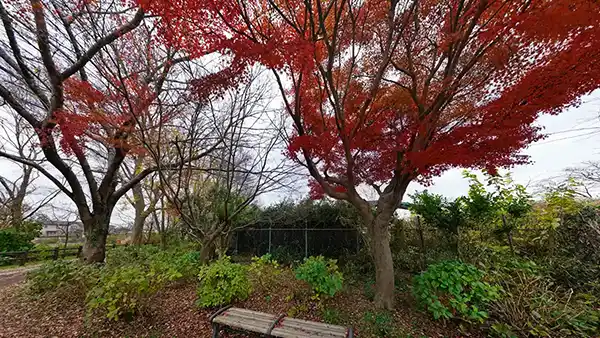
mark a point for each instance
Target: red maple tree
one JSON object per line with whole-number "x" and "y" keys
{"x": 382, "y": 93}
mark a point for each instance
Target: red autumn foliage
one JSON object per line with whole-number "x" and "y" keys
{"x": 88, "y": 112}
{"x": 379, "y": 92}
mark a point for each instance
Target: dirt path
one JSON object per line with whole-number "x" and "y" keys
{"x": 13, "y": 276}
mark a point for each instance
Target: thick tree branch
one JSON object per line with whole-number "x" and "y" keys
{"x": 40, "y": 169}
{"x": 108, "y": 39}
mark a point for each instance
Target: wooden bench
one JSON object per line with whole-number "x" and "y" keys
{"x": 274, "y": 325}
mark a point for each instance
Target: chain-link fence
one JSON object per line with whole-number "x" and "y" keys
{"x": 297, "y": 243}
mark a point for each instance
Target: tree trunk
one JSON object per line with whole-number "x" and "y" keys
{"x": 207, "y": 252}
{"x": 96, "y": 231}
{"x": 16, "y": 214}
{"x": 137, "y": 233}
{"x": 384, "y": 265}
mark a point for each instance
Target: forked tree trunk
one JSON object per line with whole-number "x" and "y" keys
{"x": 96, "y": 231}
{"x": 207, "y": 252}
{"x": 384, "y": 265}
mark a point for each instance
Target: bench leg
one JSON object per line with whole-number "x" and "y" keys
{"x": 216, "y": 330}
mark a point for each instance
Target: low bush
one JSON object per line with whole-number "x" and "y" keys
{"x": 119, "y": 288}
{"x": 45, "y": 252}
{"x": 123, "y": 291}
{"x": 453, "y": 289}
{"x": 64, "y": 278}
{"x": 532, "y": 305}
{"x": 572, "y": 273}
{"x": 221, "y": 283}
{"x": 263, "y": 272}
{"x": 322, "y": 275}
{"x": 127, "y": 254}
{"x": 357, "y": 265}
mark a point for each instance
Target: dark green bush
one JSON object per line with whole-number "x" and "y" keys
{"x": 358, "y": 265}
{"x": 453, "y": 289}
{"x": 11, "y": 240}
{"x": 286, "y": 255}
{"x": 127, "y": 254}
{"x": 322, "y": 275}
{"x": 221, "y": 283}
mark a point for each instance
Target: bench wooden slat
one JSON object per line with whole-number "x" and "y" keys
{"x": 316, "y": 326}
{"x": 241, "y": 324}
{"x": 261, "y": 322}
{"x": 245, "y": 318}
{"x": 249, "y": 313}
{"x": 289, "y": 332}
{"x": 251, "y": 321}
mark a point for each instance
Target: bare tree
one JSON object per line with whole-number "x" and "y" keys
{"x": 18, "y": 137}
{"x": 211, "y": 195}
{"x": 588, "y": 175}
{"x": 87, "y": 78}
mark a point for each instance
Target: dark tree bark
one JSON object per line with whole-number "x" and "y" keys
{"x": 384, "y": 265}
{"x": 95, "y": 230}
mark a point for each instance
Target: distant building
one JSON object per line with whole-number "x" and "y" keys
{"x": 60, "y": 228}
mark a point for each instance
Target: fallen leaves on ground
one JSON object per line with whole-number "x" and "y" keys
{"x": 172, "y": 313}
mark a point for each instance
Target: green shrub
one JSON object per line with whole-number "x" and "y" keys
{"x": 221, "y": 283}
{"x": 263, "y": 272}
{"x": 454, "y": 289}
{"x": 63, "y": 278}
{"x": 128, "y": 254}
{"x": 11, "y": 240}
{"x": 572, "y": 273}
{"x": 123, "y": 291}
{"x": 357, "y": 265}
{"x": 322, "y": 275}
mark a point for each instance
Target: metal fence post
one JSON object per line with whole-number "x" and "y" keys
{"x": 269, "y": 239}
{"x": 305, "y": 242}
{"x": 79, "y": 251}
{"x": 55, "y": 254}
